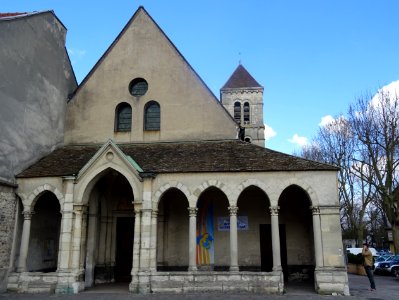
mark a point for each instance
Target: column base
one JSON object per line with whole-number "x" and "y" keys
{"x": 192, "y": 269}
{"x": 331, "y": 281}
{"x": 234, "y": 269}
{"x": 21, "y": 270}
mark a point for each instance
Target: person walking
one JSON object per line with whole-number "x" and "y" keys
{"x": 368, "y": 263}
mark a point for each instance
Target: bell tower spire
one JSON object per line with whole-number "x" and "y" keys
{"x": 242, "y": 96}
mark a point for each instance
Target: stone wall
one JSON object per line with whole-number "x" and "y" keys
{"x": 7, "y": 216}
{"x": 36, "y": 81}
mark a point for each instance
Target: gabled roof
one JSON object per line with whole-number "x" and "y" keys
{"x": 241, "y": 79}
{"x": 9, "y": 15}
{"x": 178, "y": 157}
{"x": 18, "y": 15}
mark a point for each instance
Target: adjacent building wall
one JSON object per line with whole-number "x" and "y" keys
{"x": 8, "y": 203}
{"x": 35, "y": 80}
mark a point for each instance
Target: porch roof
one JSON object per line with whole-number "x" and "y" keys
{"x": 178, "y": 157}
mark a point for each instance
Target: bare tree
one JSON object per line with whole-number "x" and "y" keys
{"x": 336, "y": 144}
{"x": 375, "y": 122}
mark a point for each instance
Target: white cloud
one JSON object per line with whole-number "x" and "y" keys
{"x": 298, "y": 140}
{"x": 390, "y": 92}
{"x": 326, "y": 120}
{"x": 392, "y": 88}
{"x": 269, "y": 132}
{"x": 76, "y": 54}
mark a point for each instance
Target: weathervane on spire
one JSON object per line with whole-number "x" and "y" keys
{"x": 239, "y": 56}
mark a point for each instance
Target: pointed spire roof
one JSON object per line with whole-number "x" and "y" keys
{"x": 241, "y": 79}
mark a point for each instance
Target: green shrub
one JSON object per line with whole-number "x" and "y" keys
{"x": 355, "y": 259}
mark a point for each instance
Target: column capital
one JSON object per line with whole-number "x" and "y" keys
{"x": 79, "y": 208}
{"x": 233, "y": 210}
{"x": 154, "y": 213}
{"x": 137, "y": 206}
{"x": 28, "y": 214}
{"x": 274, "y": 210}
{"x": 315, "y": 210}
{"x": 192, "y": 211}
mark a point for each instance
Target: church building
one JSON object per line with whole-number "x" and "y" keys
{"x": 160, "y": 185}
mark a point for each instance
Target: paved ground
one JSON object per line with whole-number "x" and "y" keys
{"x": 387, "y": 289}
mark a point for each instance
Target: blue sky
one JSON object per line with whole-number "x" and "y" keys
{"x": 313, "y": 57}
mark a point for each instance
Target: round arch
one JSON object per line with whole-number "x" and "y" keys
{"x": 172, "y": 229}
{"x": 296, "y": 234}
{"x": 251, "y": 182}
{"x": 30, "y": 200}
{"x": 216, "y": 184}
{"x": 254, "y": 229}
{"x": 167, "y": 186}
{"x": 312, "y": 195}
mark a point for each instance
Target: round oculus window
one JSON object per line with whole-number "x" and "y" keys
{"x": 138, "y": 87}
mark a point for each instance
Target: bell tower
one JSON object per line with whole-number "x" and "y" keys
{"x": 242, "y": 96}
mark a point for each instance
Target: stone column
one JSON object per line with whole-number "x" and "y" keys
{"x": 64, "y": 252}
{"x": 145, "y": 229}
{"x": 92, "y": 245}
{"x": 192, "y": 242}
{"x": 23, "y": 252}
{"x": 275, "y": 238}
{"x": 153, "y": 244}
{"x": 233, "y": 239}
{"x": 137, "y": 238}
{"x": 83, "y": 242}
{"x": 102, "y": 239}
{"x": 145, "y": 239}
{"x": 108, "y": 241}
{"x": 318, "y": 248}
{"x": 77, "y": 236}
{"x": 113, "y": 240}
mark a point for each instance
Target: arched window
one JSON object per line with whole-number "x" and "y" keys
{"x": 123, "y": 117}
{"x": 237, "y": 111}
{"x": 152, "y": 116}
{"x": 246, "y": 113}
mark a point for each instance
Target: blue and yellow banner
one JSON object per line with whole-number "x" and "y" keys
{"x": 205, "y": 236}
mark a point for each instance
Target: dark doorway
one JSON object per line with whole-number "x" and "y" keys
{"x": 283, "y": 250}
{"x": 124, "y": 248}
{"x": 266, "y": 252}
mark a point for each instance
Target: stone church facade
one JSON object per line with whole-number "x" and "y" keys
{"x": 153, "y": 186}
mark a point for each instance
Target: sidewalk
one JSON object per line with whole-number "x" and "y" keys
{"x": 387, "y": 289}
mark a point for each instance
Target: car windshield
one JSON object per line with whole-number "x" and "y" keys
{"x": 393, "y": 257}
{"x": 381, "y": 258}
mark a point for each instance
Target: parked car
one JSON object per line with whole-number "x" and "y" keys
{"x": 380, "y": 259}
{"x": 359, "y": 250}
{"x": 387, "y": 267}
{"x": 395, "y": 269}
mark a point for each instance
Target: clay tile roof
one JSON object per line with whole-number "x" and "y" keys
{"x": 178, "y": 157}
{"x": 241, "y": 79}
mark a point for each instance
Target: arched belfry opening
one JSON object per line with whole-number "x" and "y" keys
{"x": 44, "y": 234}
{"x": 296, "y": 235}
{"x": 213, "y": 248}
{"x": 254, "y": 231}
{"x": 172, "y": 231}
{"x": 110, "y": 230}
